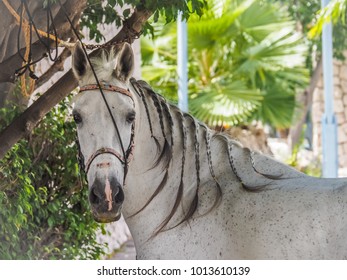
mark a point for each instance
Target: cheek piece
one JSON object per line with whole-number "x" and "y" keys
{"x": 106, "y": 150}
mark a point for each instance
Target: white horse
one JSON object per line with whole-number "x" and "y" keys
{"x": 188, "y": 192}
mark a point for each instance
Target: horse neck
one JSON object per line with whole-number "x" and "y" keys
{"x": 175, "y": 155}
{"x": 169, "y": 164}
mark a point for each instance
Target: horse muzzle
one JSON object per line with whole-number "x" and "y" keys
{"x": 106, "y": 198}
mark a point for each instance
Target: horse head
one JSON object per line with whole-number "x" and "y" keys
{"x": 104, "y": 112}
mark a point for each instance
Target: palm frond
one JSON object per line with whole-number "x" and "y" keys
{"x": 246, "y": 62}
{"x": 225, "y": 102}
{"x": 277, "y": 109}
{"x": 334, "y": 11}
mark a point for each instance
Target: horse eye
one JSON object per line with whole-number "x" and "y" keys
{"x": 77, "y": 117}
{"x": 130, "y": 117}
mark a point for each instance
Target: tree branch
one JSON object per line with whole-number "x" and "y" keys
{"x": 25, "y": 123}
{"x": 13, "y": 61}
{"x": 58, "y": 65}
{"x": 306, "y": 100}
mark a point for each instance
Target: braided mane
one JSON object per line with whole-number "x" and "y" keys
{"x": 165, "y": 113}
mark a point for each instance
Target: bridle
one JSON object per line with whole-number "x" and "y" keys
{"x": 124, "y": 159}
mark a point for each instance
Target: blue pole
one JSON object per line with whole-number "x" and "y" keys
{"x": 182, "y": 58}
{"x": 329, "y": 126}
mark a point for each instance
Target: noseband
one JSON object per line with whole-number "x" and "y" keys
{"x": 105, "y": 150}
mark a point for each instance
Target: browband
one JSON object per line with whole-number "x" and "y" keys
{"x": 108, "y": 87}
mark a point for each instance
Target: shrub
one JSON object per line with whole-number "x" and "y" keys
{"x": 44, "y": 210}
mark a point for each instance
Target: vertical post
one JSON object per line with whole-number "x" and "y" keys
{"x": 182, "y": 69}
{"x": 329, "y": 127}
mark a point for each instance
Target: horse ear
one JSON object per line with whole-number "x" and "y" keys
{"x": 125, "y": 64}
{"x": 79, "y": 61}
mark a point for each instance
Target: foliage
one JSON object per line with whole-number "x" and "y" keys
{"x": 335, "y": 10}
{"x": 100, "y": 12}
{"x": 246, "y": 62}
{"x": 44, "y": 212}
{"x": 306, "y": 13}
{"x": 304, "y": 160}
{"x": 313, "y": 168}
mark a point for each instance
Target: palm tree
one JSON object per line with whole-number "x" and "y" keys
{"x": 245, "y": 63}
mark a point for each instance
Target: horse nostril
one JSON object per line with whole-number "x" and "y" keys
{"x": 94, "y": 197}
{"x": 119, "y": 197}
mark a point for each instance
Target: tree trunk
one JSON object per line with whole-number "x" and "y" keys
{"x": 24, "y": 123}
{"x": 306, "y": 100}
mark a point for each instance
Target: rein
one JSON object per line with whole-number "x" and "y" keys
{"x": 106, "y": 150}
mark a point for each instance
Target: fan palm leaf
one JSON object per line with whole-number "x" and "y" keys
{"x": 245, "y": 62}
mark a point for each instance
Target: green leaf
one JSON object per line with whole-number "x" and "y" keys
{"x": 126, "y": 13}
{"x": 50, "y": 222}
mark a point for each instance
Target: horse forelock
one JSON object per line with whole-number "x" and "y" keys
{"x": 104, "y": 66}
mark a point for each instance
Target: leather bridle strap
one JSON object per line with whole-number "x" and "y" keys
{"x": 128, "y": 153}
{"x": 104, "y": 151}
{"x": 108, "y": 87}
{"x": 124, "y": 161}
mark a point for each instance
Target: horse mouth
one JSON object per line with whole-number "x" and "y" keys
{"x": 106, "y": 217}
